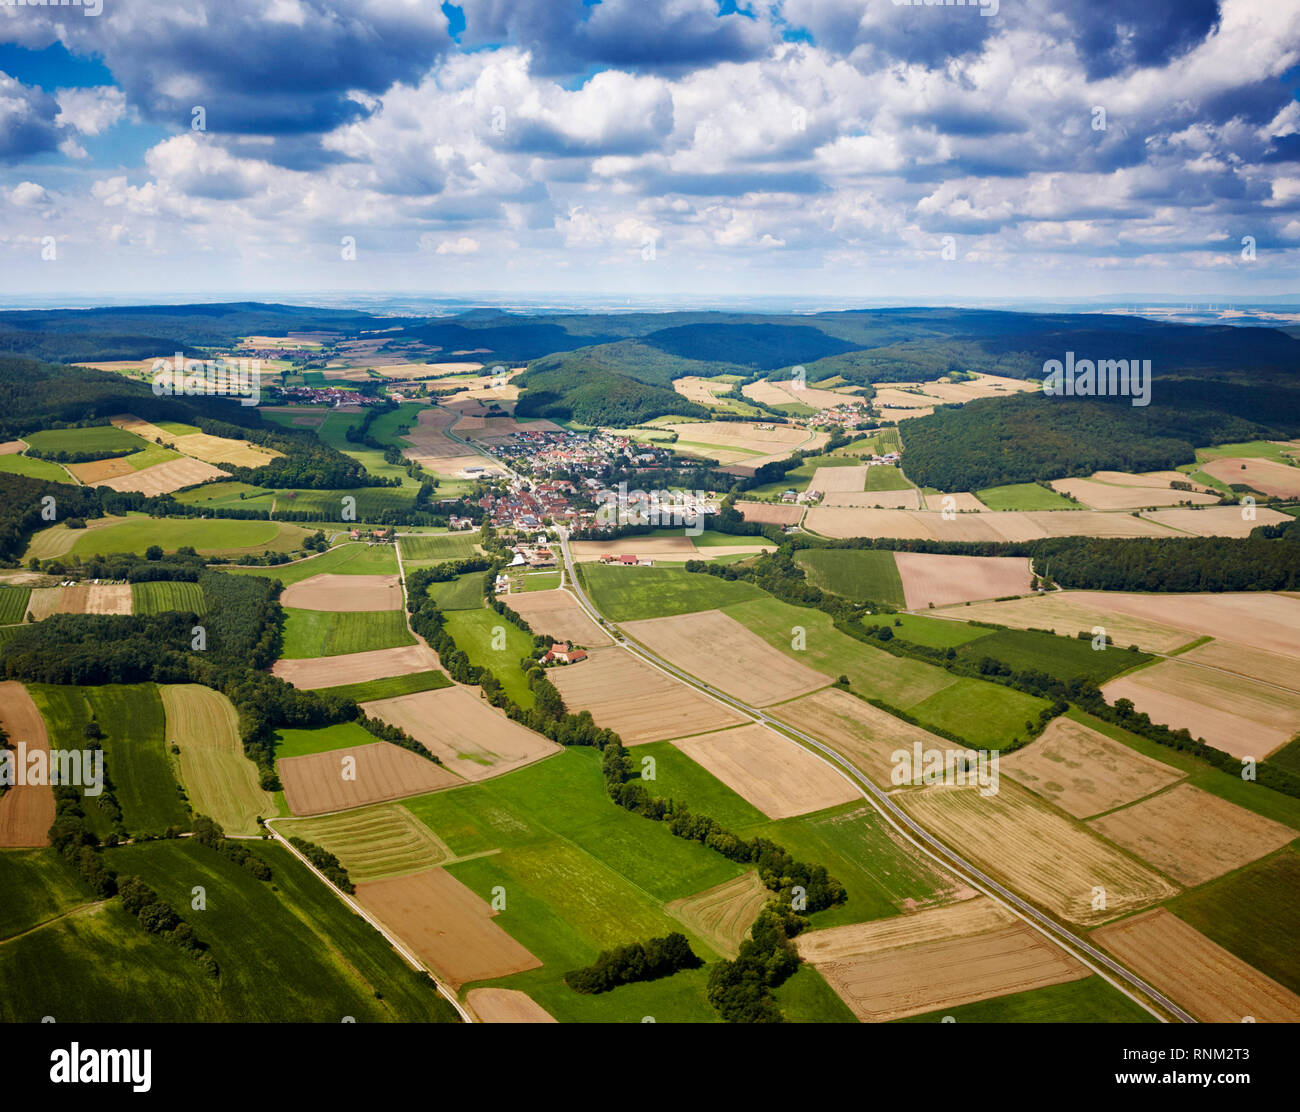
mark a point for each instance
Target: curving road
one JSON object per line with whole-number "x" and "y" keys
{"x": 917, "y": 835}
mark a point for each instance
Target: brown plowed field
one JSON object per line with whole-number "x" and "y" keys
{"x": 879, "y": 499}
{"x": 26, "y": 811}
{"x": 345, "y": 593}
{"x": 12, "y": 447}
{"x": 727, "y": 655}
{"x": 1085, "y": 772}
{"x": 1107, "y": 496}
{"x": 723, "y": 914}
{"x": 558, "y": 613}
{"x": 840, "y": 479}
{"x": 100, "y": 471}
{"x": 449, "y": 927}
{"x": 946, "y": 580}
{"x": 638, "y": 702}
{"x": 1264, "y": 475}
{"x": 777, "y": 776}
{"x": 765, "y": 513}
{"x": 1195, "y": 973}
{"x": 464, "y": 731}
{"x": 1192, "y": 835}
{"x": 314, "y": 784}
{"x": 85, "y": 598}
{"x": 506, "y": 1005}
{"x": 865, "y": 734}
{"x": 334, "y": 671}
{"x": 1215, "y": 521}
{"x": 678, "y": 547}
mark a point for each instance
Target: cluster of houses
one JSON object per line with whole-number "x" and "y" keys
{"x": 847, "y": 415}
{"x": 385, "y": 535}
{"x": 577, "y": 453}
{"x": 628, "y": 560}
{"x": 528, "y": 510}
{"x": 564, "y": 653}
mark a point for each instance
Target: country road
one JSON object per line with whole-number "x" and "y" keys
{"x": 917, "y": 835}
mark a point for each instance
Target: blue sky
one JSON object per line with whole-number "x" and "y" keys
{"x": 854, "y": 148}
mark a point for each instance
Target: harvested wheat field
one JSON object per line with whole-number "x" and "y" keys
{"x": 375, "y": 773}
{"x": 1195, "y": 973}
{"x": 1043, "y": 855}
{"x": 506, "y": 1005}
{"x": 776, "y": 775}
{"x": 1257, "y": 664}
{"x": 1085, "y": 772}
{"x": 678, "y": 547}
{"x": 559, "y": 614}
{"x": 1232, "y": 713}
{"x": 1215, "y": 521}
{"x": 12, "y": 447}
{"x": 982, "y": 386}
{"x": 702, "y": 391}
{"x": 85, "y": 598}
{"x": 45, "y": 601}
{"x": 946, "y": 580}
{"x": 723, "y": 914}
{"x": 429, "y": 440}
{"x": 373, "y": 842}
{"x": 974, "y": 915}
{"x": 639, "y": 702}
{"x": 962, "y": 502}
{"x": 877, "y": 499}
{"x": 1106, "y": 496}
{"x": 220, "y": 449}
{"x": 448, "y": 926}
{"x": 1265, "y": 475}
{"x": 108, "y": 598}
{"x": 866, "y": 735}
{"x": 220, "y": 781}
{"x": 99, "y": 470}
{"x": 164, "y": 478}
{"x": 769, "y": 513}
{"x": 345, "y": 593}
{"x": 334, "y": 671}
{"x": 992, "y": 525}
{"x": 26, "y": 810}
{"x": 838, "y": 479}
{"x": 130, "y": 423}
{"x": 1192, "y": 835}
{"x": 464, "y": 731}
{"x": 935, "y": 959}
{"x": 727, "y": 655}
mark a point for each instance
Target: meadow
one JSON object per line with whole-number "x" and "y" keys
{"x": 325, "y": 739}
{"x": 434, "y": 548}
{"x": 1062, "y": 657}
{"x": 135, "y": 754}
{"x": 372, "y": 842}
{"x": 106, "y": 439}
{"x": 390, "y": 687}
{"x": 38, "y": 884}
{"x": 860, "y": 574}
{"x": 474, "y": 632}
{"x": 1024, "y": 496}
{"x": 1090, "y": 1000}
{"x": 13, "y": 604}
{"x": 165, "y": 595}
{"x": 886, "y": 478}
{"x": 349, "y": 558}
{"x": 465, "y": 592}
{"x": 630, "y": 594}
{"x": 137, "y": 532}
{"x": 33, "y": 468}
{"x": 313, "y": 633}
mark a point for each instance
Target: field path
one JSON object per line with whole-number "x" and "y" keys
{"x": 907, "y": 828}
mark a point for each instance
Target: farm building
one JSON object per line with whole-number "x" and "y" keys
{"x": 563, "y": 653}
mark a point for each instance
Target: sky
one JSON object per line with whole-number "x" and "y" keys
{"x": 801, "y": 148}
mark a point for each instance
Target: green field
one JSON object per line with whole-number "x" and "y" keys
{"x": 135, "y": 753}
{"x": 1253, "y": 912}
{"x": 1063, "y": 657}
{"x": 165, "y": 595}
{"x": 106, "y": 439}
{"x": 33, "y": 468}
{"x": 799, "y": 477}
{"x": 1024, "y": 496}
{"x": 434, "y": 548}
{"x": 581, "y": 875}
{"x": 878, "y": 443}
{"x": 537, "y": 581}
{"x": 936, "y": 633}
{"x": 477, "y": 632}
{"x": 1245, "y": 449}
{"x": 137, "y": 532}
{"x": 312, "y": 633}
{"x": 150, "y": 455}
{"x": 807, "y": 998}
{"x": 38, "y": 884}
{"x": 370, "y": 502}
{"x": 1245, "y": 793}
{"x": 860, "y": 574}
{"x": 1090, "y": 1000}
{"x": 880, "y": 873}
{"x": 678, "y": 777}
{"x": 333, "y": 432}
{"x": 373, "y": 842}
{"x": 986, "y": 715}
{"x": 325, "y": 739}
{"x": 288, "y": 951}
{"x": 13, "y": 604}
{"x": 465, "y": 592}
{"x": 176, "y": 428}
{"x": 627, "y": 594}
{"x": 390, "y": 686}
{"x": 1288, "y": 757}
{"x": 242, "y": 495}
{"x": 349, "y": 558}
{"x": 885, "y": 477}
